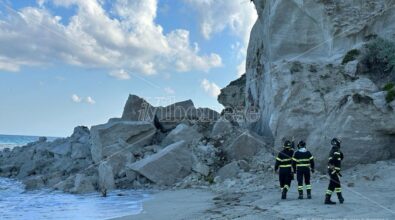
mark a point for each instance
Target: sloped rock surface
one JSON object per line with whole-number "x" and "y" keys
{"x": 245, "y": 146}
{"x": 109, "y": 138}
{"x": 167, "y": 166}
{"x": 182, "y": 132}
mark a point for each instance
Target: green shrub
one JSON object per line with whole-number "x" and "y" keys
{"x": 350, "y": 56}
{"x": 389, "y": 86}
{"x": 209, "y": 179}
{"x": 390, "y": 96}
{"x": 381, "y": 51}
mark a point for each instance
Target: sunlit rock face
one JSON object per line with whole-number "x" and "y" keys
{"x": 296, "y": 78}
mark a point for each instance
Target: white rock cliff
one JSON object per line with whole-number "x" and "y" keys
{"x": 296, "y": 79}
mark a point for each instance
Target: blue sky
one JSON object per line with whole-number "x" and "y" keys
{"x": 65, "y": 63}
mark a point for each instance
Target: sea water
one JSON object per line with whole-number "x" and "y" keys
{"x": 10, "y": 141}
{"x": 18, "y": 204}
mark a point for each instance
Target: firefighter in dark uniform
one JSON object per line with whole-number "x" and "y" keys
{"x": 334, "y": 168}
{"x": 284, "y": 163}
{"x": 303, "y": 163}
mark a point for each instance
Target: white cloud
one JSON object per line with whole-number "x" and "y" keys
{"x": 238, "y": 16}
{"x": 210, "y": 88}
{"x": 169, "y": 91}
{"x": 217, "y": 15}
{"x": 120, "y": 74}
{"x": 90, "y": 100}
{"x": 241, "y": 68}
{"x": 125, "y": 37}
{"x": 76, "y": 98}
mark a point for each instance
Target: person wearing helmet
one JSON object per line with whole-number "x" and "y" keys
{"x": 284, "y": 165}
{"x": 303, "y": 163}
{"x": 334, "y": 168}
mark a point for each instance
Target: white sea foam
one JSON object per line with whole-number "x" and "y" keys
{"x": 16, "y": 203}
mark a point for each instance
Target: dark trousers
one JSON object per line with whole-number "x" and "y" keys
{"x": 285, "y": 177}
{"x": 303, "y": 173}
{"x": 334, "y": 184}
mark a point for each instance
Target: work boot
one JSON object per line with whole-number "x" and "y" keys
{"x": 284, "y": 194}
{"x": 328, "y": 200}
{"x": 309, "y": 193}
{"x": 300, "y": 194}
{"x": 340, "y": 197}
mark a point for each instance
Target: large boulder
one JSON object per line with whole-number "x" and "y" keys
{"x": 34, "y": 182}
{"x": 245, "y": 146}
{"x": 181, "y": 132}
{"x": 62, "y": 148}
{"x": 168, "y": 165}
{"x": 106, "y": 177}
{"x": 229, "y": 171}
{"x": 110, "y": 138}
{"x": 165, "y": 118}
{"x": 80, "y": 134}
{"x": 233, "y": 95}
{"x": 80, "y": 151}
{"x": 83, "y": 184}
{"x": 176, "y": 112}
{"x": 138, "y": 109}
{"x": 222, "y": 126}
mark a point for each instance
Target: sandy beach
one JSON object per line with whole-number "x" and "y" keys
{"x": 179, "y": 204}
{"x": 365, "y": 199}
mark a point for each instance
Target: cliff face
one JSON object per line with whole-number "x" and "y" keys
{"x": 295, "y": 76}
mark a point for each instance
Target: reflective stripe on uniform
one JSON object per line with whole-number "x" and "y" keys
{"x": 337, "y": 153}
{"x": 301, "y": 160}
{"x": 286, "y": 187}
{"x": 278, "y": 159}
{"x": 311, "y": 158}
{"x": 300, "y": 187}
{"x": 329, "y": 192}
{"x": 302, "y": 165}
{"x": 308, "y": 186}
{"x": 283, "y": 160}
{"x": 283, "y": 166}
{"x": 338, "y": 190}
{"x": 337, "y": 168}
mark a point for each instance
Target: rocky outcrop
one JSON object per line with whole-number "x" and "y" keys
{"x": 138, "y": 109}
{"x": 167, "y": 166}
{"x": 175, "y": 145}
{"x": 106, "y": 177}
{"x": 297, "y": 76}
{"x": 166, "y": 118}
{"x": 233, "y": 95}
{"x": 112, "y": 137}
{"x": 52, "y": 164}
{"x": 147, "y": 146}
{"x": 221, "y": 127}
{"x": 83, "y": 184}
{"x": 245, "y": 146}
{"x": 182, "y": 132}
{"x": 228, "y": 171}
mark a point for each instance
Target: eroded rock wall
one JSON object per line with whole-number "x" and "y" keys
{"x": 296, "y": 77}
